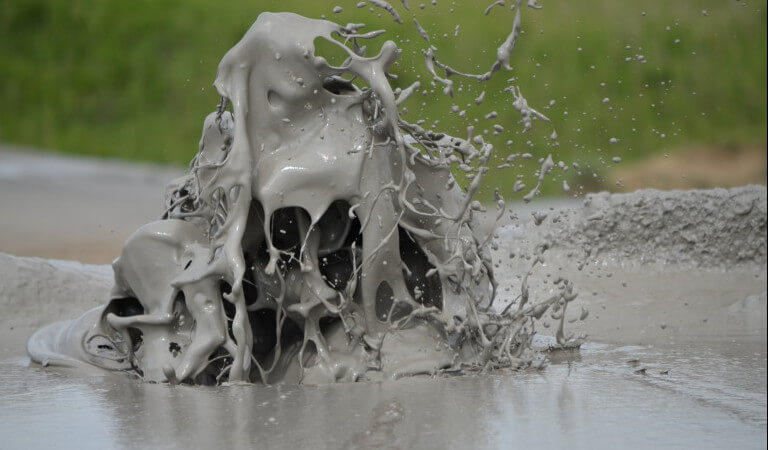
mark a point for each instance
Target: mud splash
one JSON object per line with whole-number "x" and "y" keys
{"x": 317, "y": 237}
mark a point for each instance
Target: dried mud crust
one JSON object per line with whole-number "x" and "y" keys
{"x": 716, "y": 228}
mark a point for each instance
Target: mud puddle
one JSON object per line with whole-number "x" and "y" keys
{"x": 598, "y": 397}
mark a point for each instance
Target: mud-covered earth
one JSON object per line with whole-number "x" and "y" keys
{"x": 676, "y": 350}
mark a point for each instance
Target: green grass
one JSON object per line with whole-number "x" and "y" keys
{"x": 133, "y": 79}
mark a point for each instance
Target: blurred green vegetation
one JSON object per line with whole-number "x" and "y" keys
{"x": 133, "y": 79}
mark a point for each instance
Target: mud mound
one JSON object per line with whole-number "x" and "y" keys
{"x": 705, "y": 228}
{"x": 36, "y": 291}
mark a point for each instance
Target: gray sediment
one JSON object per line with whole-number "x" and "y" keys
{"x": 714, "y": 228}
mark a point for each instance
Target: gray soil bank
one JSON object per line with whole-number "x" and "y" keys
{"x": 705, "y": 228}
{"x": 36, "y": 291}
{"x": 80, "y": 209}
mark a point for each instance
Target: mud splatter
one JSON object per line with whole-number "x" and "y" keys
{"x": 318, "y": 236}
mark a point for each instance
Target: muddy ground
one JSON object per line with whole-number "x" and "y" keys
{"x": 675, "y": 356}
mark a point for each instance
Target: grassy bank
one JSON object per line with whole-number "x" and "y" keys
{"x": 133, "y": 79}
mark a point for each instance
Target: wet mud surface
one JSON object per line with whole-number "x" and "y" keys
{"x": 675, "y": 356}
{"x": 712, "y": 396}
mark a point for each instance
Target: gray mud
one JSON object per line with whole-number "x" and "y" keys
{"x": 317, "y": 236}
{"x": 363, "y": 260}
{"x": 96, "y": 203}
{"x": 704, "y": 228}
{"x": 676, "y": 353}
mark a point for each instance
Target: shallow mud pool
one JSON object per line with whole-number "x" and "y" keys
{"x": 589, "y": 401}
